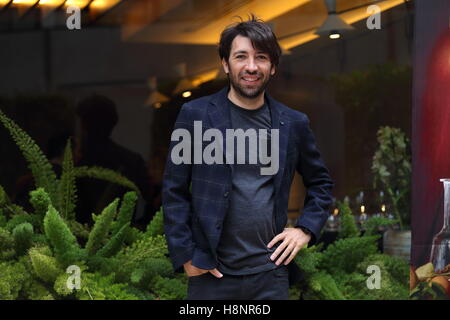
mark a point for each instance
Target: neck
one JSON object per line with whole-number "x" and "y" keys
{"x": 247, "y": 103}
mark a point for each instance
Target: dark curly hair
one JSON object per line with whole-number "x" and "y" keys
{"x": 260, "y": 34}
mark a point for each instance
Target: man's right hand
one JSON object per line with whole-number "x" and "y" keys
{"x": 192, "y": 270}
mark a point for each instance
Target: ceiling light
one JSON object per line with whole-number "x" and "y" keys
{"x": 333, "y": 26}
{"x": 155, "y": 96}
{"x": 335, "y": 35}
{"x": 184, "y": 84}
{"x": 186, "y": 94}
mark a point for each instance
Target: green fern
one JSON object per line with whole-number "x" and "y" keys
{"x": 374, "y": 223}
{"x": 133, "y": 257}
{"x": 13, "y": 211}
{"x": 18, "y": 219}
{"x": 125, "y": 212}
{"x": 344, "y": 254}
{"x": 46, "y": 268}
{"x": 95, "y": 286}
{"x": 36, "y": 291}
{"x": 101, "y": 227}
{"x": 139, "y": 293}
{"x": 323, "y": 287}
{"x": 60, "y": 285}
{"x": 6, "y": 245}
{"x": 169, "y": 289}
{"x": 156, "y": 226}
{"x": 114, "y": 244}
{"x": 348, "y": 225}
{"x": 149, "y": 269}
{"x": 79, "y": 230}
{"x": 67, "y": 192}
{"x": 3, "y": 220}
{"x": 308, "y": 260}
{"x": 105, "y": 174}
{"x": 12, "y": 277}
{"x": 40, "y": 201}
{"x": 62, "y": 240}
{"x": 4, "y": 199}
{"x": 23, "y": 238}
{"x": 42, "y": 170}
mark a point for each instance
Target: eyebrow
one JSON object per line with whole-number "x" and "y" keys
{"x": 243, "y": 51}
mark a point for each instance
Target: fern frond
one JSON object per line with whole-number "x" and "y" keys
{"x": 67, "y": 191}
{"x": 40, "y": 201}
{"x": 101, "y": 227}
{"x": 125, "y": 212}
{"x": 105, "y": 174}
{"x": 45, "y": 267}
{"x": 62, "y": 240}
{"x": 156, "y": 225}
{"x": 348, "y": 225}
{"x": 20, "y": 218}
{"x": 4, "y": 199}
{"x": 42, "y": 170}
{"x": 6, "y": 245}
{"x": 23, "y": 237}
{"x": 79, "y": 230}
{"x": 114, "y": 244}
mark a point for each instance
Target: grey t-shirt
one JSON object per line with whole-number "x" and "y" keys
{"x": 249, "y": 224}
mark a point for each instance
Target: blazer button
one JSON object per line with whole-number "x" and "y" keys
{"x": 225, "y": 194}
{"x": 282, "y": 123}
{"x": 218, "y": 226}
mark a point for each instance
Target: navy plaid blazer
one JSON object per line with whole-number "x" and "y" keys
{"x": 193, "y": 216}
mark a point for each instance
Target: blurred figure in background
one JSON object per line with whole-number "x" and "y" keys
{"x": 98, "y": 117}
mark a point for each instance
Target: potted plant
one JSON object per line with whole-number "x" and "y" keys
{"x": 391, "y": 168}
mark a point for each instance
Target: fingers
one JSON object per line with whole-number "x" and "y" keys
{"x": 280, "y": 248}
{"x": 285, "y": 254}
{"x": 277, "y": 238}
{"x": 216, "y": 273}
{"x": 188, "y": 263}
{"x": 292, "y": 255}
{"x": 292, "y": 243}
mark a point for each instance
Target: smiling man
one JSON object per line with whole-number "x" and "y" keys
{"x": 228, "y": 230}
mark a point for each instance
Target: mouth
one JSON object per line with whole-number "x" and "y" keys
{"x": 250, "y": 79}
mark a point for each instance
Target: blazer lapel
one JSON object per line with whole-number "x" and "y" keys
{"x": 219, "y": 115}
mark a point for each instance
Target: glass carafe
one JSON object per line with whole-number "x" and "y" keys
{"x": 440, "y": 252}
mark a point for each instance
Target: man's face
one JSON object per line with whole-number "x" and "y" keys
{"x": 249, "y": 69}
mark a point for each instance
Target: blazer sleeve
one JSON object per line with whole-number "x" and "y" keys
{"x": 317, "y": 181}
{"x": 176, "y": 201}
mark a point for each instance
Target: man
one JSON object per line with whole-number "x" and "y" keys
{"x": 98, "y": 117}
{"x": 225, "y": 220}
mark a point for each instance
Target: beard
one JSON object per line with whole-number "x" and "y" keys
{"x": 248, "y": 91}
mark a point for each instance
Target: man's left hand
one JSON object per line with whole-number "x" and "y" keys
{"x": 293, "y": 240}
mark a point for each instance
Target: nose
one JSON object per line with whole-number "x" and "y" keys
{"x": 251, "y": 66}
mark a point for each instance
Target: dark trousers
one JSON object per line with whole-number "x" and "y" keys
{"x": 267, "y": 285}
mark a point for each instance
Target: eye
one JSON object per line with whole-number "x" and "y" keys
{"x": 240, "y": 56}
{"x": 262, "y": 57}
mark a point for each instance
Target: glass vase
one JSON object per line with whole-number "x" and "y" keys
{"x": 440, "y": 251}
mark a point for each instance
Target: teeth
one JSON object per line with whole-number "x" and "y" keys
{"x": 251, "y": 80}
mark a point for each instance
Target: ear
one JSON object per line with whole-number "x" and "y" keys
{"x": 272, "y": 70}
{"x": 225, "y": 66}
